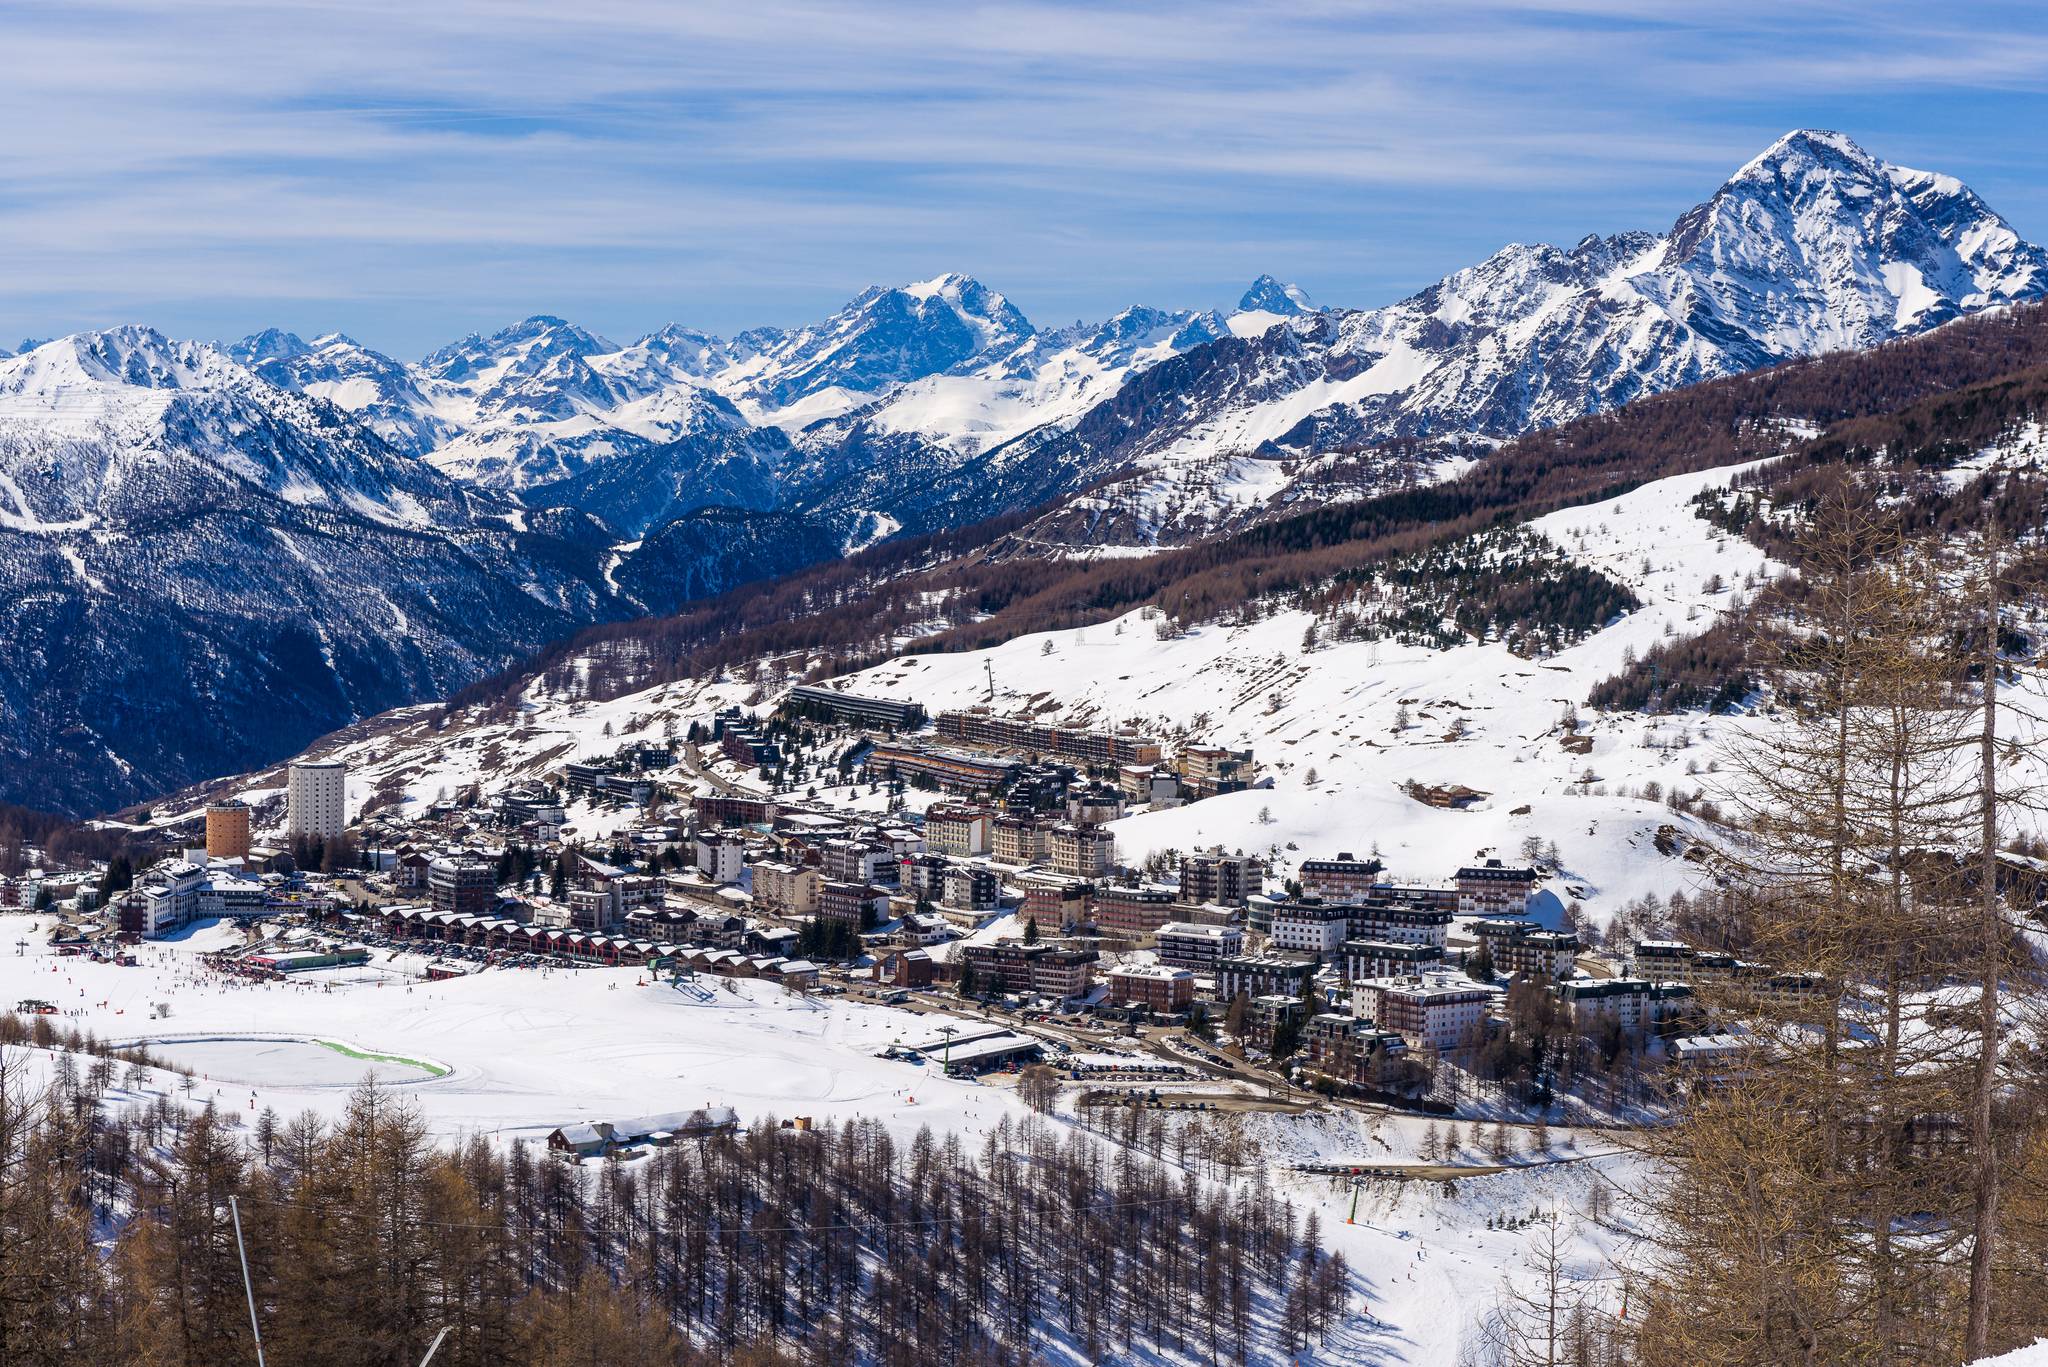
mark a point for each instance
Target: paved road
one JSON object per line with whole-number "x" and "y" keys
{"x": 691, "y": 760}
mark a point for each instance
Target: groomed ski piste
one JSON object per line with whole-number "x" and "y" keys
{"x": 526, "y": 1051}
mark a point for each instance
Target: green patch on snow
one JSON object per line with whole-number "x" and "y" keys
{"x": 431, "y": 1069}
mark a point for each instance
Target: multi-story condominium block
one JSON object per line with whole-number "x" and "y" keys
{"x": 1495, "y": 889}
{"x": 791, "y": 890}
{"x": 827, "y": 704}
{"x": 1218, "y": 879}
{"x": 1081, "y": 851}
{"x": 1209, "y": 770}
{"x": 1159, "y": 989}
{"x": 1365, "y": 959}
{"x": 1017, "y": 839}
{"x": 959, "y": 829}
{"x": 316, "y": 799}
{"x": 1441, "y": 1011}
{"x": 1316, "y": 928}
{"x": 1262, "y": 975}
{"x": 1346, "y": 878}
{"x": 1183, "y": 944}
{"x": 1131, "y": 912}
{"x": 978, "y": 726}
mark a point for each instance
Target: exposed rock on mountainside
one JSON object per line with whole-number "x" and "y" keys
{"x": 200, "y": 569}
{"x": 162, "y": 499}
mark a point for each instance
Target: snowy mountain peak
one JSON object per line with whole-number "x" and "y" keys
{"x": 528, "y": 342}
{"x": 1268, "y": 295}
{"x": 1816, "y": 245}
{"x": 885, "y": 337}
{"x": 971, "y": 300}
{"x": 1805, "y": 148}
{"x": 271, "y": 344}
{"x": 127, "y": 357}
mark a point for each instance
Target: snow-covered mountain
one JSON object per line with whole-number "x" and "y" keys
{"x": 1267, "y": 302}
{"x": 385, "y": 395}
{"x": 198, "y": 566}
{"x": 103, "y": 428}
{"x": 542, "y": 401}
{"x": 1815, "y": 246}
{"x": 882, "y": 338}
{"x": 911, "y": 405}
{"x": 566, "y": 478}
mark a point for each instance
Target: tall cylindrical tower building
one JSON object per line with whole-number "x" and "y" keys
{"x": 227, "y": 830}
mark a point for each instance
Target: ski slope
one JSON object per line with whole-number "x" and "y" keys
{"x": 1333, "y": 712}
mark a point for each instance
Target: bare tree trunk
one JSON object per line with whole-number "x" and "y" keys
{"x": 1983, "y": 1142}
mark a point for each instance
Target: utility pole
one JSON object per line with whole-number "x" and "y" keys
{"x": 990, "y": 666}
{"x": 248, "y": 1287}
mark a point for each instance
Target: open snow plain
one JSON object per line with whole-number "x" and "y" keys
{"x": 524, "y": 1051}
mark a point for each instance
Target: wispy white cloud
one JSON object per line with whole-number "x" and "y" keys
{"x": 410, "y": 170}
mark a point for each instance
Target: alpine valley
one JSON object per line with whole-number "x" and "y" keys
{"x": 212, "y": 554}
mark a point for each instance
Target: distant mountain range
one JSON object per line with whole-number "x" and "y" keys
{"x": 212, "y": 554}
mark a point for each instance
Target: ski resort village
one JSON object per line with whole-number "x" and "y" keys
{"x": 1498, "y": 827}
{"x": 1414, "y": 933}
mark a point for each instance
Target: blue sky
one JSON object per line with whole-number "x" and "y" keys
{"x": 409, "y": 172}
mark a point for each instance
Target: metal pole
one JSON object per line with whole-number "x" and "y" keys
{"x": 434, "y": 1347}
{"x": 248, "y": 1286}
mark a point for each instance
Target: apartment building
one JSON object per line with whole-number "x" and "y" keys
{"x": 1261, "y": 975}
{"x": 857, "y": 904}
{"x": 969, "y": 887}
{"x": 847, "y": 709}
{"x": 1018, "y": 839}
{"x": 720, "y": 858}
{"x": 858, "y": 861}
{"x": 1160, "y": 989}
{"x": 1441, "y": 1011}
{"x": 1347, "y": 878}
{"x": 1218, "y": 879}
{"x": 1524, "y": 949}
{"x": 947, "y": 770}
{"x": 467, "y": 887}
{"x": 1400, "y": 923}
{"x": 1133, "y": 913}
{"x": 960, "y": 829}
{"x": 1304, "y": 927}
{"x": 1208, "y": 770}
{"x": 790, "y": 890}
{"x": 979, "y": 726}
{"x": 1014, "y": 968}
{"x": 1365, "y": 959}
{"x": 1183, "y": 944}
{"x": 1081, "y": 851}
{"x": 1492, "y": 888}
{"x": 1347, "y": 1048}
{"x": 1634, "y": 1004}
{"x": 1053, "y": 901}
